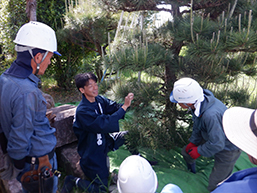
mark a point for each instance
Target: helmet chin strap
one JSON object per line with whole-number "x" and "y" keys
{"x": 38, "y": 64}
{"x": 189, "y": 108}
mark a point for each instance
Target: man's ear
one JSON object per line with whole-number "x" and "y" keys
{"x": 81, "y": 90}
{"x": 252, "y": 159}
{"x": 38, "y": 57}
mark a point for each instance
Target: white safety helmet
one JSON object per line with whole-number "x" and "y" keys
{"x": 186, "y": 90}
{"x": 36, "y": 35}
{"x": 136, "y": 175}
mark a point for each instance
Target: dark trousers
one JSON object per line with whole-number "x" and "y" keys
{"x": 119, "y": 139}
{"x": 94, "y": 183}
{"x": 224, "y": 162}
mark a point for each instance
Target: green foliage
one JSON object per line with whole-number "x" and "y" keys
{"x": 10, "y": 22}
{"x": 145, "y": 121}
{"x": 141, "y": 57}
{"x": 105, "y": 86}
{"x": 144, "y": 93}
{"x": 239, "y": 97}
{"x": 237, "y": 92}
{"x": 51, "y": 13}
{"x": 4, "y": 64}
{"x": 88, "y": 26}
{"x": 65, "y": 67}
{"x": 216, "y": 48}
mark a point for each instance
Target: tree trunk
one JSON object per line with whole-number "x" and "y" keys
{"x": 31, "y": 10}
{"x": 171, "y": 76}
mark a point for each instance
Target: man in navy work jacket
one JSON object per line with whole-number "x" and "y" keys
{"x": 208, "y": 138}
{"x": 30, "y": 138}
{"x": 96, "y": 126}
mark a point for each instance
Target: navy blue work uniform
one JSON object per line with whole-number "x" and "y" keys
{"x": 94, "y": 124}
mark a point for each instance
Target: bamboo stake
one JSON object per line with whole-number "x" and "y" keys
{"x": 233, "y": 9}
{"x": 119, "y": 24}
{"x": 225, "y": 30}
{"x": 191, "y": 21}
{"x": 202, "y": 23}
{"x": 109, "y": 43}
{"x": 223, "y": 16}
{"x": 239, "y": 23}
{"x": 249, "y": 23}
{"x": 218, "y": 38}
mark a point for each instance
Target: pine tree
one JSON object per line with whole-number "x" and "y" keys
{"x": 210, "y": 41}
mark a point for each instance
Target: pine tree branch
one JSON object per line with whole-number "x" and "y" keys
{"x": 151, "y": 5}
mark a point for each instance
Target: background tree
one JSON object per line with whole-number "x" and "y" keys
{"x": 12, "y": 16}
{"x": 15, "y": 13}
{"x": 31, "y": 10}
{"x": 89, "y": 26}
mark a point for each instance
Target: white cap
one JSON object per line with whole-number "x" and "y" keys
{"x": 136, "y": 175}
{"x": 239, "y": 125}
{"x": 186, "y": 90}
{"x": 36, "y": 35}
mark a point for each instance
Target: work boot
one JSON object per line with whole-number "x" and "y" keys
{"x": 114, "y": 177}
{"x": 191, "y": 167}
{"x": 69, "y": 184}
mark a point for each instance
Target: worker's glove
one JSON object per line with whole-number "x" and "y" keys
{"x": 193, "y": 153}
{"x": 189, "y": 146}
{"x": 43, "y": 161}
{"x": 8, "y": 171}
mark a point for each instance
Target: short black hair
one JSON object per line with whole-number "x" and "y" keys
{"x": 81, "y": 80}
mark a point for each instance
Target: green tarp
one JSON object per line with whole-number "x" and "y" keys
{"x": 171, "y": 168}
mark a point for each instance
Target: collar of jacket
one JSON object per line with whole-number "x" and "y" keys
{"x": 21, "y": 67}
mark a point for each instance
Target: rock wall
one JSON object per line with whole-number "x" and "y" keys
{"x": 66, "y": 148}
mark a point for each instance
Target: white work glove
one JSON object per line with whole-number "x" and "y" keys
{"x": 8, "y": 171}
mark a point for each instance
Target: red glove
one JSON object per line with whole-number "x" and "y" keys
{"x": 189, "y": 146}
{"x": 194, "y": 153}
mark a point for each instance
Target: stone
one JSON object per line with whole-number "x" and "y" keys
{"x": 8, "y": 186}
{"x": 70, "y": 160}
{"x": 49, "y": 100}
{"x": 63, "y": 123}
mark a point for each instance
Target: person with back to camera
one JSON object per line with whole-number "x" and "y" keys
{"x": 208, "y": 138}
{"x": 30, "y": 140}
{"x": 96, "y": 126}
{"x": 240, "y": 126}
{"x": 136, "y": 175}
